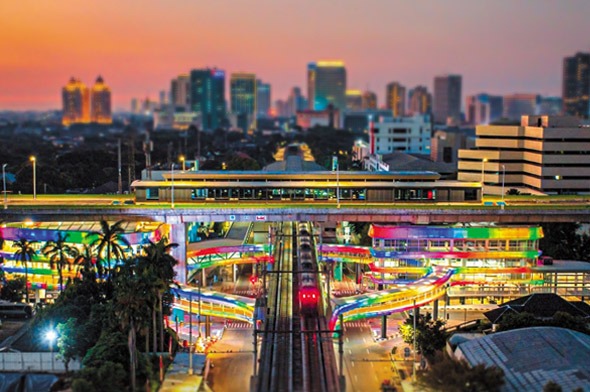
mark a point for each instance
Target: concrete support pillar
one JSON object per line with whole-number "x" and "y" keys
{"x": 435, "y": 310}
{"x": 203, "y": 282}
{"x": 383, "y": 327}
{"x": 207, "y": 326}
{"x": 178, "y": 236}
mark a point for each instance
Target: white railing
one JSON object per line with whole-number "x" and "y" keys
{"x": 37, "y": 362}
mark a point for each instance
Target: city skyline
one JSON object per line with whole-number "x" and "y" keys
{"x": 139, "y": 47}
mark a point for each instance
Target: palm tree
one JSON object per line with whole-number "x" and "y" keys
{"x": 24, "y": 253}
{"x": 58, "y": 252}
{"x": 109, "y": 242}
{"x": 158, "y": 266}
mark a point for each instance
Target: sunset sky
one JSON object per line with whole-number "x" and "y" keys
{"x": 499, "y": 46}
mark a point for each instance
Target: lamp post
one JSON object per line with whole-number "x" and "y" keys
{"x": 34, "y": 160}
{"x": 199, "y": 316}
{"x": 190, "y": 333}
{"x": 483, "y": 165}
{"x": 4, "y": 184}
{"x": 172, "y": 186}
{"x": 183, "y": 160}
{"x": 50, "y": 336}
{"x": 414, "y": 363}
{"x": 503, "y": 180}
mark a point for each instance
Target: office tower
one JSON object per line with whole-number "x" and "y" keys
{"x": 243, "y": 99}
{"x": 545, "y": 153}
{"x": 326, "y": 84}
{"x": 100, "y": 98}
{"x": 483, "y": 109}
{"x": 406, "y": 134}
{"x": 76, "y": 102}
{"x": 576, "y": 85}
{"x": 282, "y": 108}
{"x": 180, "y": 93}
{"x": 420, "y": 101}
{"x": 517, "y": 105}
{"x": 395, "y": 99}
{"x": 447, "y": 99}
{"x": 551, "y": 106}
{"x": 263, "y": 98}
{"x": 295, "y": 102}
{"x": 354, "y": 99}
{"x": 134, "y": 105}
{"x": 207, "y": 95}
{"x": 369, "y": 100}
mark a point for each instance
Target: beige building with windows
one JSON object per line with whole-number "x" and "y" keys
{"x": 545, "y": 154}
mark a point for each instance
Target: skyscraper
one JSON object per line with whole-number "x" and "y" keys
{"x": 326, "y": 84}
{"x": 207, "y": 95}
{"x": 369, "y": 100}
{"x": 295, "y": 102}
{"x": 395, "y": 99}
{"x": 263, "y": 98}
{"x": 76, "y": 103}
{"x": 354, "y": 99}
{"x": 517, "y": 105}
{"x": 243, "y": 99}
{"x": 483, "y": 109}
{"x": 447, "y": 99}
{"x": 100, "y": 98}
{"x": 420, "y": 101}
{"x": 180, "y": 93}
{"x": 576, "y": 85}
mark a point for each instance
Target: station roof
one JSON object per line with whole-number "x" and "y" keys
{"x": 530, "y": 357}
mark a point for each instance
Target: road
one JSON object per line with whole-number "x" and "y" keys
{"x": 232, "y": 358}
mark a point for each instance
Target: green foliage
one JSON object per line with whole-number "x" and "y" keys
{"x": 552, "y": 386}
{"x": 105, "y": 376}
{"x": 430, "y": 336}
{"x": 513, "y": 191}
{"x": 563, "y": 241}
{"x": 446, "y": 374}
{"x": 236, "y": 162}
{"x": 111, "y": 346}
{"x": 526, "y": 320}
{"x": 13, "y": 290}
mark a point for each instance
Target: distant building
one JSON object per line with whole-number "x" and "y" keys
{"x": 243, "y": 99}
{"x": 295, "y": 102}
{"x": 358, "y": 121}
{"x": 369, "y": 100}
{"x": 326, "y": 84}
{"x": 263, "y": 98}
{"x": 447, "y": 99}
{"x": 517, "y": 105}
{"x": 546, "y": 154}
{"x": 576, "y": 85}
{"x": 483, "y": 109}
{"x": 310, "y": 118}
{"x": 420, "y": 101}
{"x": 354, "y": 99}
{"x": 405, "y": 134}
{"x": 100, "y": 103}
{"x": 207, "y": 96}
{"x": 180, "y": 93}
{"x": 549, "y": 106}
{"x": 75, "y": 103}
{"x": 446, "y": 143}
{"x": 395, "y": 99}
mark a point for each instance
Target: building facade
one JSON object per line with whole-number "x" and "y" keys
{"x": 447, "y": 99}
{"x": 483, "y": 109}
{"x": 576, "y": 85}
{"x": 546, "y": 154}
{"x": 243, "y": 99}
{"x": 517, "y": 105}
{"x": 180, "y": 93}
{"x": 100, "y": 103}
{"x": 354, "y": 99}
{"x": 207, "y": 96}
{"x": 75, "y": 103}
{"x": 326, "y": 85}
{"x": 406, "y": 134}
{"x": 395, "y": 99}
{"x": 263, "y": 98}
{"x": 369, "y": 100}
{"x": 420, "y": 101}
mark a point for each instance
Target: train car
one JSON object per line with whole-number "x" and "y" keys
{"x": 309, "y": 296}
{"x": 309, "y": 293}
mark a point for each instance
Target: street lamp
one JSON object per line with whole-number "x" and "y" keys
{"x": 4, "y": 184}
{"x": 503, "y": 180}
{"x": 190, "y": 334}
{"x": 51, "y": 336}
{"x": 182, "y": 159}
{"x": 172, "y": 187}
{"x": 34, "y": 160}
{"x": 483, "y": 165}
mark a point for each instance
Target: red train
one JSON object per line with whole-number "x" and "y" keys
{"x": 309, "y": 294}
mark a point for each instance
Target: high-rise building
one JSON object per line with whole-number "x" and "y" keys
{"x": 326, "y": 84}
{"x": 369, "y": 100}
{"x": 295, "y": 102}
{"x": 420, "y": 101}
{"x": 483, "y": 109}
{"x": 395, "y": 99}
{"x": 576, "y": 85}
{"x": 207, "y": 96}
{"x": 517, "y": 105}
{"x": 76, "y": 103}
{"x": 263, "y": 98}
{"x": 447, "y": 99}
{"x": 354, "y": 99}
{"x": 100, "y": 98}
{"x": 406, "y": 134}
{"x": 243, "y": 99}
{"x": 180, "y": 93}
{"x": 549, "y": 106}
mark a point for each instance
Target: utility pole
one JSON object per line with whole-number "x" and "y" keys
{"x": 120, "y": 181}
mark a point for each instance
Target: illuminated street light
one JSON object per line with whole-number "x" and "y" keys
{"x": 483, "y": 165}
{"x": 4, "y": 184}
{"x": 182, "y": 159}
{"x": 34, "y": 160}
{"x": 172, "y": 187}
{"x": 51, "y": 336}
{"x": 503, "y": 180}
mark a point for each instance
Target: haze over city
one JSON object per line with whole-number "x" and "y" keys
{"x": 499, "y": 47}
